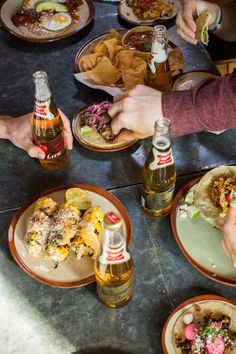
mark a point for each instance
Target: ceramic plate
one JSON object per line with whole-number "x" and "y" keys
{"x": 71, "y": 273}
{"x": 126, "y": 13}
{"x": 94, "y": 141}
{"x": 167, "y": 343}
{"x": 191, "y": 79}
{"x": 10, "y": 7}
{"x": 199, "y": 242}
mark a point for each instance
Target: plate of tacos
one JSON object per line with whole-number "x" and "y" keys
{"x": 56, "y": 236}
{"x": 204, "y": 324}
{"x": 197, "y": 219}
{"x": 147, "y": 12}
{"x": 92, "y": 129}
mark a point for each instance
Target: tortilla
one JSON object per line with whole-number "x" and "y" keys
{"x": 202, "y": 28}
{"x": 202, "y": 195}
{"x": 215, "y": 308}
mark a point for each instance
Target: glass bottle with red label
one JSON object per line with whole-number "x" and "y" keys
{"x": 48, "y": 125}
{"x": 114, "y": 266}
{"x": 159, "y": 74}
{"x": 159, "y": 174}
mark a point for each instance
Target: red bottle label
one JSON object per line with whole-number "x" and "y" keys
{"x": 112, "y": 218}
{"x": 41, "y": 109}
{"x": 54, "y": 148}
{"x": 161, "y": 159}
{"x": 111, "y": 256}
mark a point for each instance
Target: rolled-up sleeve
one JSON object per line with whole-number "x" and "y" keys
{"x": 209, "y": 106}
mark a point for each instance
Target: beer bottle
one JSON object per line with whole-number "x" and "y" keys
{"x": 114, "y": 267}
{"x": 159, "y": 174}
{"x": 48, "y": 125}
{"x": 159, "y": 74}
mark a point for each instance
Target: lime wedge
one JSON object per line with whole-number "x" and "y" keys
{"x": 79, "y": 198}
{"x": 189, "y": 197}
{"x": 86, "y": 130}
{"x": 193, "y": 212}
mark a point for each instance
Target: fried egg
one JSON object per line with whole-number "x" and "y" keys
{"x": 57, "y": 22}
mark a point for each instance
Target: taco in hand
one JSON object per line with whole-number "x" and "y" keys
{"x": 214, "y": 193}
{"x": 207, "y": 327}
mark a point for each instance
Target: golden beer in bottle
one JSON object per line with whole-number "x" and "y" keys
{"x": 159, "y": 74}
{"x": 159, "y": 174}
{"x": 48, "y": 125}
{"x": 114, "y": 266}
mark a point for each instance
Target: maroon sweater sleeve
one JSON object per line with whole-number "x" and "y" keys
{"x": 209, "y": 106}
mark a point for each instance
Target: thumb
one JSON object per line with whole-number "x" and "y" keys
{"x": 128, "y": 135}
{"x": 36, "y": 152}
{"x": 231, "y": 216}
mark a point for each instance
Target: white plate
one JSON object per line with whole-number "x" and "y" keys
{"x": 10, "y": 7}
{"x": 167, "y": 333}
{"x": 126, "y": 13}
{"x": 72, "y": 272}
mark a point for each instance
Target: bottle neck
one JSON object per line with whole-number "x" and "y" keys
{"x": 161, "y": 138}
{"x": 42, "y": 89}
{"x": 159, "y": 44}
{"x": 114, "y": 248}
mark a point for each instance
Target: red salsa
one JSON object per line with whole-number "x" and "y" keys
{"x": 140, "y": 41}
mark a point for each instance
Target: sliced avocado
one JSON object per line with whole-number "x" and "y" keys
{"x": 50, "y": 5}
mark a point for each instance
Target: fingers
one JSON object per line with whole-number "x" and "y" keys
{"x": 120, "y": 96}
{"x": 36, "y": 152}
{"x": 230, "y": 217}
{"x": 128, "y": 135}
{"x": 68, "y": 137}
{"x": 117, "y": 124}
{"x": 115, "y": 109}
{"x": 186, "y": 26}
{"x": 223, "y": 244}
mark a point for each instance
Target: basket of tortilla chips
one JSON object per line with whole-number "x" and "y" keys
{"x": 214, "y": 193}
{"x": 105, "y": 62}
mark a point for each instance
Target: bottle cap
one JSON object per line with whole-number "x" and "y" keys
{"x": 112, "y": 221}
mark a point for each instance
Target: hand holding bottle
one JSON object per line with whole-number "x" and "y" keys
{"x": 19, "y": 131}
{"x": 188, "y": 13}
{"x": 136, "y": 110}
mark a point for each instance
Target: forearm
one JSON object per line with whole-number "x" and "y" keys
{"x": 210, "y": 106}
{"x": 4, "y": 131}
{"x": 227, "y": 31}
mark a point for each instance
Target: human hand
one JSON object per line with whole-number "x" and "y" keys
{"x": 228, "y": 240}
{"x": 188, "y": 13}
{"x": 20, "y": 133}
{"x": 136, "y": 110}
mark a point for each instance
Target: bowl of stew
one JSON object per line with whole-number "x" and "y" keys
{"x": 139, "y": 39}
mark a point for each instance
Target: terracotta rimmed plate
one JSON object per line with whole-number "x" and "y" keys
{"x": 94, "y": 141}
{"x": 167, "y": 341}
{"x": 126, "y": 13}
{"x": 71, "y": 273}
{"x": 199, "y": 242}
{"x": 10, "y": 7}
{"x": 191, "y": 79}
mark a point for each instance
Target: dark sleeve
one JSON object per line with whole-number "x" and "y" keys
{"x": 209, "y": 106}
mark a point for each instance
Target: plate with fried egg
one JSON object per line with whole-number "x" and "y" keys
{"x": 45, "y": 21}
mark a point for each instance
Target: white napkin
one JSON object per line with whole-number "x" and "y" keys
{"x": 112, "y": 90}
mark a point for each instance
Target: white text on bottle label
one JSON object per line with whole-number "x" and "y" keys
{"x": 161, "y": 159}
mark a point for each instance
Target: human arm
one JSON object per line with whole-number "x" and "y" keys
{"x": 228, "y": 240}
{"x": 19, "y": 132}
{"x": 209, "y": 106}
{"x": 191, "y": 9}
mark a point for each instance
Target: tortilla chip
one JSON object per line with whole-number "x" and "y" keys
{"x": 137, "y": 61}
{"x": 176, "y": 59}
{"x": 110, "y": 44}
{"x": 104, "y": 73}
{"x": 202, "y": 28}
{"x": 133, "y": 77}
{"x": 88, "y": 62}
{"x": 101, "y": 48}
{"x": 123, "y": 59}
{"x": 114, "y": 34}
